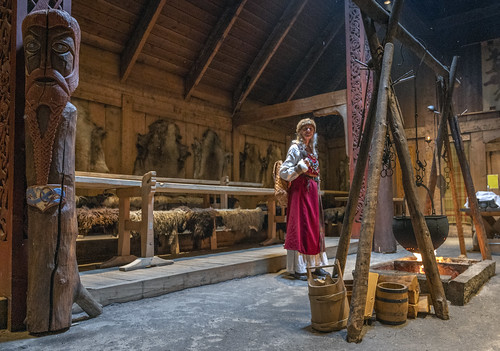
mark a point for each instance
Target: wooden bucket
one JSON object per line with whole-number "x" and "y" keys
{"x": 391, "y": 303}
{"x": 328, "y": 300}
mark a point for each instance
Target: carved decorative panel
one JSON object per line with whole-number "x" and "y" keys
{"x": 6, "y": 110}
{"x": 358, "y": 93}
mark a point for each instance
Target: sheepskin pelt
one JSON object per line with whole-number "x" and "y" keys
{"x": 201, "y": 222}
{"x": 273, "y": 154}
{"x": 242, "y": 220}
{"x": 89, "y": 151}
{"x": 161, "y": 202}
{"x": 210, "y": 159}
{"x": 100, "y": 200}
{"x": 167, "y": 223}
{"x": 97, "y": 220}
{"x": 161, "y": 150}
{"x": 251, "y": 164}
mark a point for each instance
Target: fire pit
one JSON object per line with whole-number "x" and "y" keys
{"x": 461, "y": 277}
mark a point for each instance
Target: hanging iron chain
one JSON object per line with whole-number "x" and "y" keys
{"x": 446, "y": 169}
{"x": 388, "y": 158}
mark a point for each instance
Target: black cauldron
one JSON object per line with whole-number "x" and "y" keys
{"x": 403, "y": 231}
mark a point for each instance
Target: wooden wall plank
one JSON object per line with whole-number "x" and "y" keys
{"x": 478, "y": 161}
{"x": 112, "y": 140}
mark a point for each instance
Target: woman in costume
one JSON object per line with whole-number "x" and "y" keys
{"x": 305, "y": 240}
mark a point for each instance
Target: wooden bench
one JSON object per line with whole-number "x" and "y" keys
{"x": 145, "y": 187}
{"x": 127, "y": 186}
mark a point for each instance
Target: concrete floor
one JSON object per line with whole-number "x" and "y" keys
{"x": 267, "y": 312}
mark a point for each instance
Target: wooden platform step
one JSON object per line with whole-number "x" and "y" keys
{"x": 111, "y": 285}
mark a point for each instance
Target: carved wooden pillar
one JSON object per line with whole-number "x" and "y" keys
{"x": 13, "y": 248}
{"x": 357, "y": 95}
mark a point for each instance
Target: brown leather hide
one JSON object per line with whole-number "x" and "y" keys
{"x": 161, "y": 150}
{"x": 273, "y": 154}
{"x": 251, "y": 164}
{"x": 210, "y": 159}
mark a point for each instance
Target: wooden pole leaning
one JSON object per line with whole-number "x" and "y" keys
{"x": 405, "y": 160}
{"x": 442, "y": 133}
{"x": 456, "y": 205}
{"x": 469, "y": 186}
{"x": 358, "y": 299}
{"x": 420, "y": 229}
{"x": 364, "y": 149}
{"x": 357, "y": 182}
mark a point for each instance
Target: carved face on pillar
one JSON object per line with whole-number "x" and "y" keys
{"x": 51, "y": 47}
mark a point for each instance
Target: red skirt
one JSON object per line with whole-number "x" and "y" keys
{"x": 303, "y": 224}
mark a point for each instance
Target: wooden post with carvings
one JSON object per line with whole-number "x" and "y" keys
{"x": 51, "y": 46}
{"x": 13, "y": 238}
{"x": 357, "y": 93}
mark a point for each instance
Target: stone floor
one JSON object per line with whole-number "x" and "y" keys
{"x": 267, "y": 312}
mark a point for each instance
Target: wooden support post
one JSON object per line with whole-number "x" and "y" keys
{"x": 420, "y": 229}
{"x": 469, "y": 186}
{"x": 271, "y": 223}
{"x": 213, "y": 238}
{"x": 359, "y": 292}
{"x": 359, "y": 170}
{"x": 124, "y": 256}
{"x": 147, "y": 259}
{"x": 456, "y": 205}
{"x": 123, "y": 234}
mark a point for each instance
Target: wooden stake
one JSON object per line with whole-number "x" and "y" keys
{"x": 456, "y": 205}
{"x": 469, "y": 186}
{"x": 358, "y": 299}
{"x": 418, "y": 221}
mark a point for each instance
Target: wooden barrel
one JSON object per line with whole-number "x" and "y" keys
{"x": 328, "y": 300}
{"x": 391, "y": 303}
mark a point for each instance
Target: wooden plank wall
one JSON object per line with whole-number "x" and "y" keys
{"x": 124, "y": 110}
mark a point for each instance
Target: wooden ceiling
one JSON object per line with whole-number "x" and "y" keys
{"x": 267, "y": 51}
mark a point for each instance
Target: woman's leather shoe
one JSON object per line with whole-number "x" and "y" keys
{"x": 300, "y": 276}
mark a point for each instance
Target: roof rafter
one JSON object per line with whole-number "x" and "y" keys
{"x": 212, "y": 45}
{"x": 373, "y": 10}
{"x": 290, "y": 108}
{"x": 312, "y": 57}
{"x": 140, "y": 34}
{"x": 269, "y": 48}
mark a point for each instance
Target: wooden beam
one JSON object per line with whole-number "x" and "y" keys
{"x": 262, "y": 59}
{"x": 212, "y": 45}
{"x": 377, "y": 13}
{"x": 140, "y": 34}
{"x": 291, "y": 108}
{"x": 312, "y": 57}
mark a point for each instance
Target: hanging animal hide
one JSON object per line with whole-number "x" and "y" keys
{"x": 251, "y": 164}
{"x": 273, "y": 154}
{"x": 89, "y": 151}
{"x": 210, "y": 159}
{"x": 161, "y": 150}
